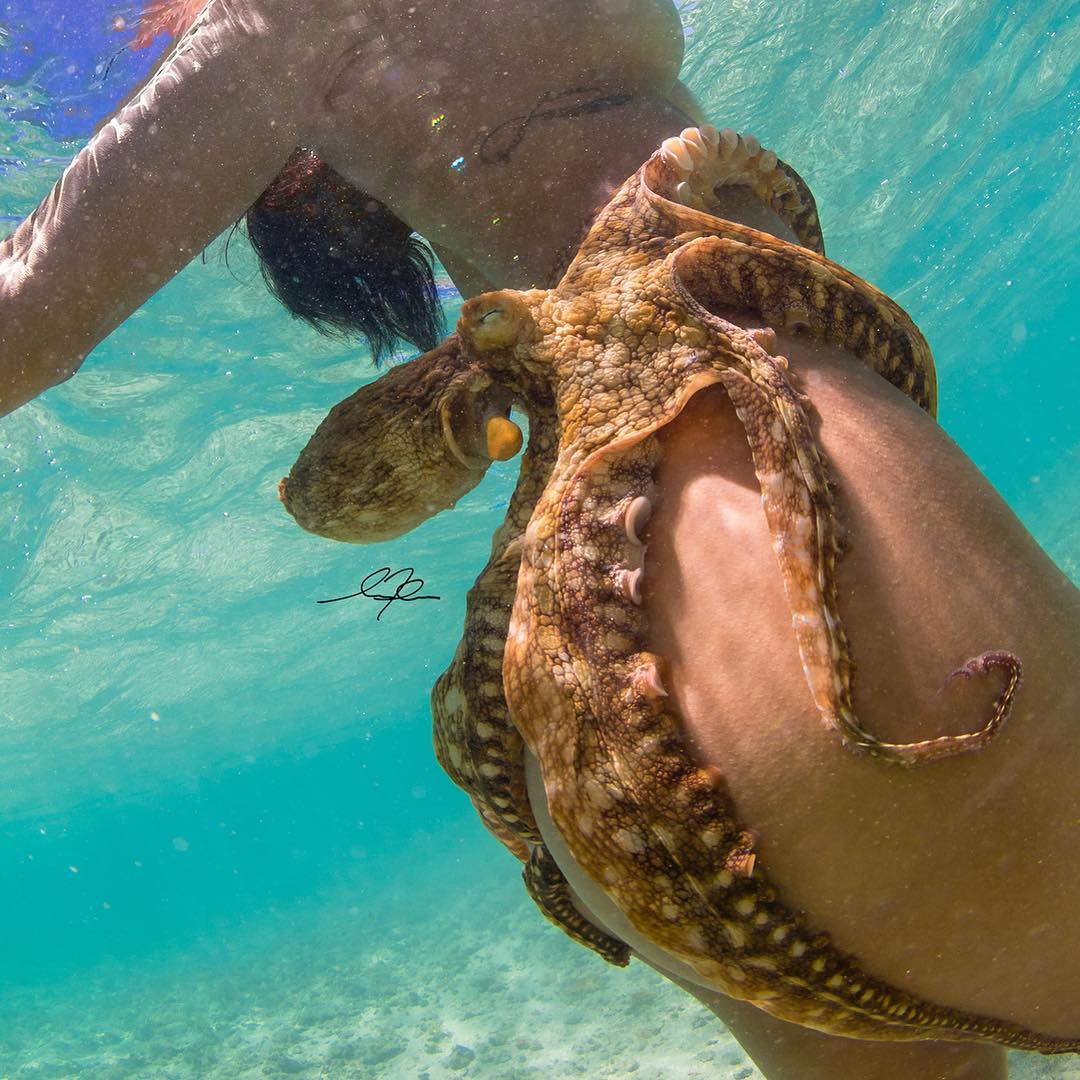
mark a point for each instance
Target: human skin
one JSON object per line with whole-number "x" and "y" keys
{"x": 361, "y": 84}
{"x": 952, "y": 880}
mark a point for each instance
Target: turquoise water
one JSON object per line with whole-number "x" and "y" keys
{"x": 226, "y": 849}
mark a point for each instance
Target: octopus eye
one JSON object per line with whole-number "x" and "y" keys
{"x": 493, "y": 321}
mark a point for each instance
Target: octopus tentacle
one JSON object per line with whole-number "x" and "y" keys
{"x": 808, "y": 295}
{"x": 673, "y": 195}
{"x": 799, "y": 507}
{"x": 550, "y": 891}
{"x": 475, "y": 740}
{"x": 796, "y": 490}
{"x": 704, "y": 160}
{"x": 657, "y": 832}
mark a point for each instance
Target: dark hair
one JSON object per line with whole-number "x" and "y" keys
{"x": 342, "y": 261}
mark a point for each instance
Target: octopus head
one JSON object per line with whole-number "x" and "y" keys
{"x": 401, "y": 449}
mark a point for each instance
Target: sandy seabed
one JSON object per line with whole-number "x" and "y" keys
{"x": 442, "y": 972}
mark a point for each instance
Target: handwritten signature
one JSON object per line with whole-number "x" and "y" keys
{"x": 381, "y": 577}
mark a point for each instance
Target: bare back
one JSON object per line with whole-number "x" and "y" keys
{"x": 482, "y": 124}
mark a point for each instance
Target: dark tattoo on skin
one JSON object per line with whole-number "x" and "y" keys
{"x": 499, "y": 144}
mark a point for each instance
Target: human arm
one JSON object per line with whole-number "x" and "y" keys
{"x": 178, "y": 163}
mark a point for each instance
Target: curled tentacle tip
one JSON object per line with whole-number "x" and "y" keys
{"x": 503, "y": 438}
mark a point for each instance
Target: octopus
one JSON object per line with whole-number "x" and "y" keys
{"x": 555, "y": 656}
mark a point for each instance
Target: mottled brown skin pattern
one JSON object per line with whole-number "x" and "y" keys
{"x": 475, "y": 739}
{"x": 419, "y": 422}
{"x": 385, "y": 459}
{"x": 601, "y": 363}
